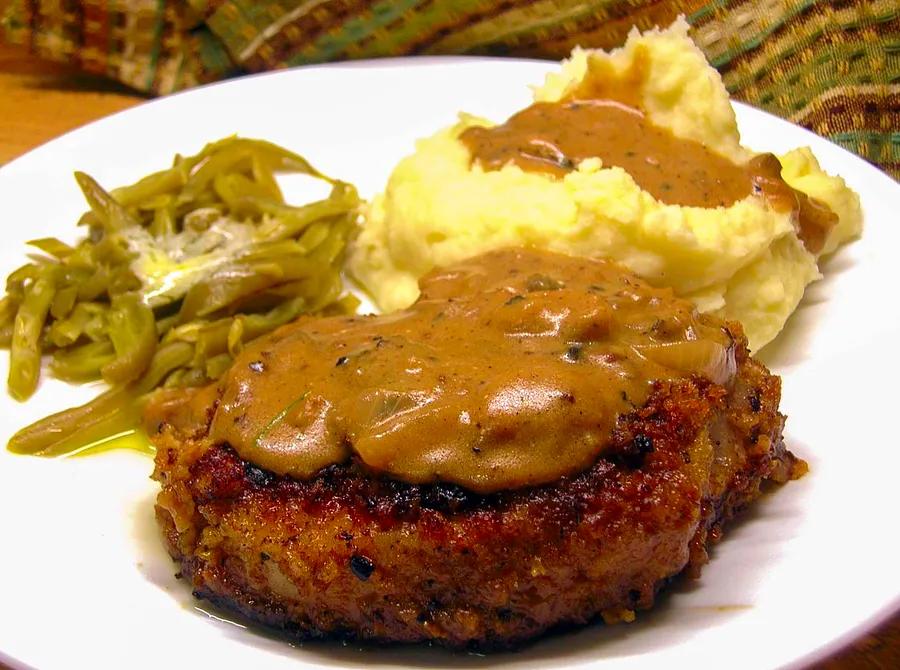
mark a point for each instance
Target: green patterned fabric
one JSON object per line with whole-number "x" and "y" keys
{"x": 833, "y": 67}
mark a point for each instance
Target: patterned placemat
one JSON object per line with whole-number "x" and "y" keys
{"x": 832, "y": 66}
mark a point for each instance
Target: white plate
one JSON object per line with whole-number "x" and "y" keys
{"x": 85, "y": 582}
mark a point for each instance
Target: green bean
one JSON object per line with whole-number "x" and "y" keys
{"x": 194, "y": 377}
{"x": 277, "y": 158}
{"x": 146, "y": 207}
{"x": 132, "y": 331}
{"x": 25, "y": 352}
{"x": 217, "y": 365}
{"x": 282, "y": 160}
{"x": 177, "y": 272}
{"x": 163, "y": 221}
{"x": 110, "y": 214}
{"x": 95, "y": 285}
{"x": 112, "y": 412}
{"x": 227, "y": 158}
{"x": 8, "y": 308}
{"x": 235, "y": 340}
{"x": 83, "y": 363}
{"x": 80, "y": 261}
{"x": 176, "y": 378}
{"x": 111, "y": 251}
{"x": 263, "y": 176}
{"x": 165, "y": 324}
{"x": 234, "y": 188}
{"x": 309, "y": 239}
{"x": 88, "y": 220}
{"x": 52, "y": 246}
{"x": 74, "y": 275}
{"x": 258, "y": 324}
{"x": 227, "y": 285}
{"x": 290, "y": 221}
{"x": 346, "y": 304}
{"x": 328, "y": 290}
{"x": 168, "y": 357}
{"x": 209, "y": 339}
{"x": 330, "y": 250}
{"x": 314, "y": 236}
{"x": 186, "y": 377}
{"x": 25, "y": 274}
{"x": 87, "y": 318}
{"x": 149, "y": 187}
{"x": 259, "y": 251}
{"x": 64, "y": 302}
{"x": 123, "y": 280}
{"x": 6, "y": 332}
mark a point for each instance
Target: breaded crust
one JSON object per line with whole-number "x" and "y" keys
{"x": 353, "y": 555}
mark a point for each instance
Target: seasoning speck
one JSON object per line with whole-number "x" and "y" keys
{"x": 257, "y": 366}
{"x": 515, "y": 299}
{"x": 361, "y": 567}
{"x": 543, "y": 283}
{"x": 573, "y": 353}
{"x": 258, "y": 476}
{"x": 341, "y": 361}
{"x": 643, "y": 444}
{"x": 755, "y": 403}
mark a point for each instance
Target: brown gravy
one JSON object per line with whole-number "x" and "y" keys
{"x": 510, "y": 370}
{"x": 814, "y": 219}
{"x": 555, "y": 137}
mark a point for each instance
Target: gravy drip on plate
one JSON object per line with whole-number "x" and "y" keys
{"x": 603, "y": 119}
{"x": 511, "y": 370}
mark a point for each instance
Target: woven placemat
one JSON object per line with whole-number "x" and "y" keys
{"x": 833, "y": 67}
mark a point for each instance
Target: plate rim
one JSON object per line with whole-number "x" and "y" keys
{"x": 812, "y": 656}
{"x": 400, "y": 62}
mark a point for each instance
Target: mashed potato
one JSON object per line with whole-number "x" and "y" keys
{"x": 743, "y": 261}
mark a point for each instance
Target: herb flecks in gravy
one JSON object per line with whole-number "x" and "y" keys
{"x": 603, "y": 118}
{"x": 555, "y": 137}
{"x": 511, "y": 370}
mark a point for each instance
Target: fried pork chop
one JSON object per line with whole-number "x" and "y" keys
{"x": 401, "y": 532}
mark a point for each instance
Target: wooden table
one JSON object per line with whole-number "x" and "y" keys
{"x": 39, "y": 101}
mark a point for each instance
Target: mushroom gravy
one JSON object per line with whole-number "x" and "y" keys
{"x": 603, "y": 119}
{"x": 511, "y": 370}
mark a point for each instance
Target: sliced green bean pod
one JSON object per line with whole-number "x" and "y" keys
{"x": 82, "y": 363}
{"x": 110, "y": 413}
{"x": 25, "y": 352}
{"x": 132, "y": 330}
{"x": 109, "y": 212}
{"x": 52, "y": 246}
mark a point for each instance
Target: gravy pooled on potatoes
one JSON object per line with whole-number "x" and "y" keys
{"x": 632, "y": 155}
{"x": 554, "y": 137}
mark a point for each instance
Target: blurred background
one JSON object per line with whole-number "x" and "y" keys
{"x": 833, "y": 67}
